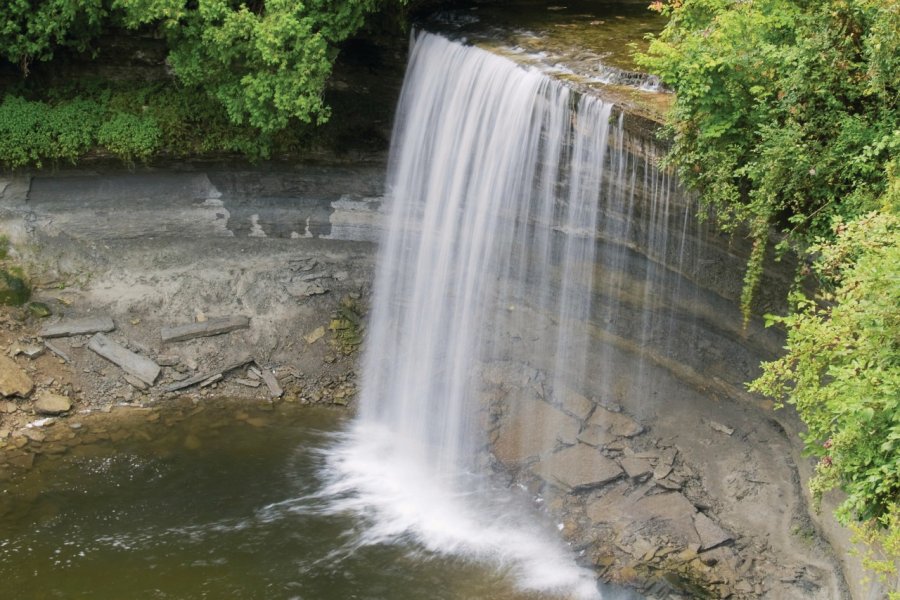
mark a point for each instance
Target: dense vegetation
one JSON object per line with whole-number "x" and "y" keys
{"x": 246, "y": 71}
{"x": 786, "y": 121}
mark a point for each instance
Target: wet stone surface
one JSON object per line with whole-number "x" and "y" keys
{"x": 637, "y": 501}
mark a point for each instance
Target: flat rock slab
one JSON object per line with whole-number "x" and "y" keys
{"x": 596, "y": 436}
{"x": 711, "y": 535}
{"x": 271, "y": 382}
{"x": 180, "y": 385}
{"x": 578, "y": 467}
{"x": 134, "y": 364}
{"x": 48, "y": 403}
{"x": 13, "y": 379}
{"x": 531, "y": 428}
{"x": 215, "y": 326}
{"x": 636, "y": 468}
{"x": 78, "y": 327}
{"x": 615, "y": 423}
{"x": 575, "y": 403}
{"x": 672, "y": 511}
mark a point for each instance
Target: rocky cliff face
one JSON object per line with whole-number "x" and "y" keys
{"x": 661, "y": 469}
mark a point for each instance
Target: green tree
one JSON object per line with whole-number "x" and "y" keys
{"x": 31, "y": 31}
{"x": 266, "y": 62}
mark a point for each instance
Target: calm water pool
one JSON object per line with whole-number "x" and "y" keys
{"x": 217, "y": 502}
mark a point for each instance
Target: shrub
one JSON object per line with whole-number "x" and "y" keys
{"x": 130, "y": 136}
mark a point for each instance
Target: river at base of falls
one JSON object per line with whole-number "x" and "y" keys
{"x": 225, "y": 503}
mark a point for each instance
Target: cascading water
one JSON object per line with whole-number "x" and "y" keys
{"x": 498, "y": 189}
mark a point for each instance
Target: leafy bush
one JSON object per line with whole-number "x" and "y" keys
{"x": 842, "y": 367}
{"x": 842, "y": 372}
{"x": 785, "y": 111}
{"x": 130, "y": 136}
{"x": 22, "y": 138}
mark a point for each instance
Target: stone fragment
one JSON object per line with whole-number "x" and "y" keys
{"x": 271, "y": 382}
{"x": 13, "y": 379}
{"x": 531, "y": 428}
{"x": 721, "y": 428}
{"x": 578, "y": 467}
{"x": 247, "y": 382}
{"x": 32, "y": 351}
{"x": 82, "y": 326}
{"x": 305, "y": 289}
{"x": 668, "y": 484}
{"x": 596, "y": 436}
{"x": 315, "y": 335}
{"x": 206, "y": 328}
{"x": 575, "y": 403}
{"x": 662, "y": 470}
{"x": 178, "y": 385}
{"x": 672, "y": 512}
{"x": 139, "y": 366}
{"x": 35, "y": 435}
{"x": 167, "y": 360}
{"x": 668, "y": 457}
{"x": 39, "y": 310}
{"x": 711, "y": 535}
{"x": 636, "y": 468}
{"x": 135, "y": 382}
{"x": 211, "y": 380}
{"x": 48, "y": 403}
{"x": 617, "y": 424}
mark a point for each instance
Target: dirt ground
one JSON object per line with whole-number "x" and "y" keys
{"x": 151, "y": 250}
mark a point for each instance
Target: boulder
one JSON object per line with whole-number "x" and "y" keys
{"x": 13, "y": 380}
{"x": 48, "y": 403}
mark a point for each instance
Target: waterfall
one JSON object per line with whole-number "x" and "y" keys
{"x": 503, "y": 185}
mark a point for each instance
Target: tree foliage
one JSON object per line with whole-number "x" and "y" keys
{"x": 842, "y": 372}
{"x": 785, "y": 112}
{"x": 842, "y": 367}
{"x": 33, "y": 31}
{"x": 266, "y": 62}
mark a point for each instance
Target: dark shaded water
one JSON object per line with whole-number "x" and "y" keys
{"x": 217, "y": 503}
